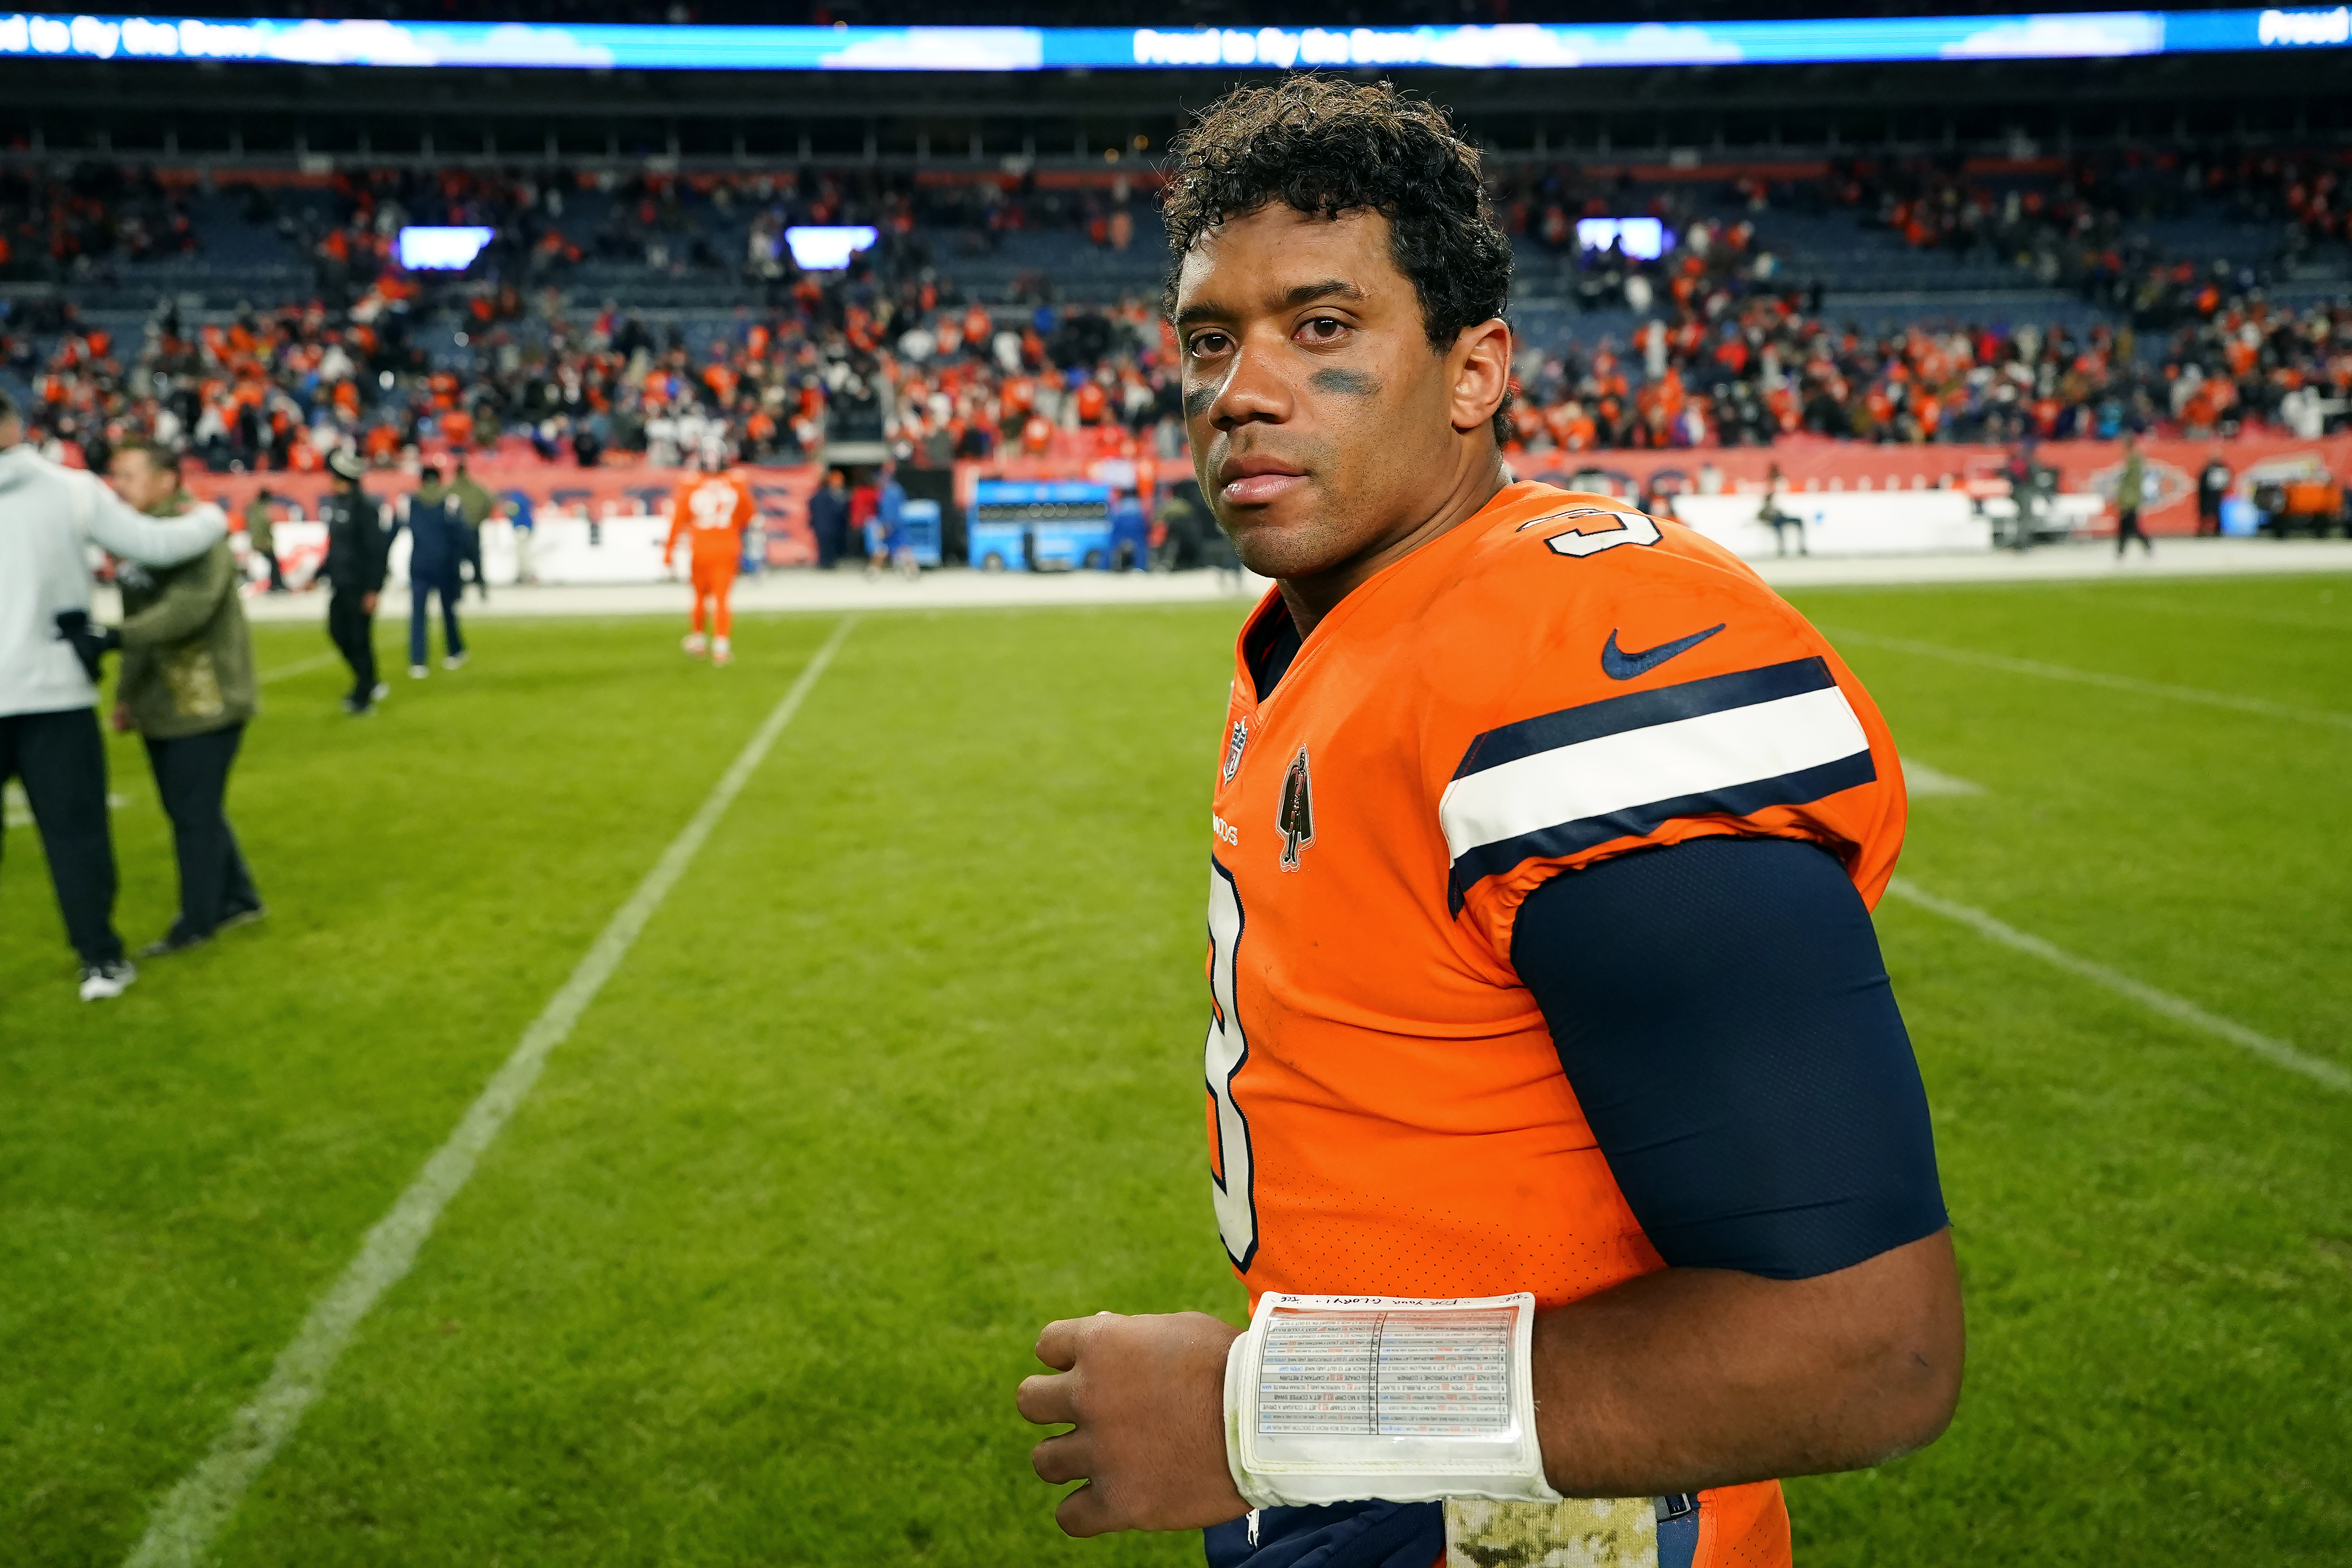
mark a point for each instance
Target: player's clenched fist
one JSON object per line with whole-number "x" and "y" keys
{"x": 1145, "y": 1398}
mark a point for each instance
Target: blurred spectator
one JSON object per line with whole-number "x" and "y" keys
{"x": 885, "y": 537}
{"x": 864, "y": 501}
{"x": 829, "y": 518}
{"x": 188, "y": 687}
{"x": 436, "y": 521}
{"x": 524, "y": 522}
{"x": 2131, "y": 492}
{"x": 1780, "y": 522}
{"x": 2212, "y": 485}
{"x": 1131, "y": 533}
{"x": 476, "y": 504}
{"x": 260, "y": 533}
{"x": 354, "y": 570}
{"x": 50, "y": 660}
{"x": 1185, "y": 528}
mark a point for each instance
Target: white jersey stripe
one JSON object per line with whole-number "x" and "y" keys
{"x": 1710, "y": 753}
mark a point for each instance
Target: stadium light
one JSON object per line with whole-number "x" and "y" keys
{"x": 426, "y": 248}
{"x": 2075, "y": 35}
{"x": 827, "y": 248}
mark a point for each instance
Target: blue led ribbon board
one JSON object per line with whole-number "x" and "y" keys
{"x": 2076, "y": 35}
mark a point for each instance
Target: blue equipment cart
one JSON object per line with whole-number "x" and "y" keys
{"x": 1054, "y": 525}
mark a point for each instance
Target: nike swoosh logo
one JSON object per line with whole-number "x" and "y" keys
{"x": 1618, "y": 665}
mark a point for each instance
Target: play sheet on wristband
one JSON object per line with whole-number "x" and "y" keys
{"x": 1370, "y": 1373}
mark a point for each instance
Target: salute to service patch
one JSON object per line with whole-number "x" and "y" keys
{"x": 1296, "y": 819}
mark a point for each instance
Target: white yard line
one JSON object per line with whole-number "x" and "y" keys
{"x": 194, "y": 1511}
{"x": 2176, "y": 558}
{"x": 2277, "y": 1052}
{"x": 846, "y": 592}
{"x": 300, "y": 666}
{"x": 16, "y": 811}
{"x": 2336, "y": 625}
{"x": 1919, "y": 779}
{"x": 2093, "y": 677}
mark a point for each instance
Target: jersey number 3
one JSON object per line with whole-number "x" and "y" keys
{"x": 1230, "y": 1171}
{"x": 1631, "y": 527}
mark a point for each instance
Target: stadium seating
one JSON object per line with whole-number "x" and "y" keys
{"x": 1897, "y": 303}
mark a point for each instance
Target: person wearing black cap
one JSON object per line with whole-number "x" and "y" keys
{"x": 356, "y": 547}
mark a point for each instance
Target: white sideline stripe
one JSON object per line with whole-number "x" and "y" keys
{"x": 300, "y": 666}
{"x": 193, "y": 1512}
{"x": 1919, "y": 779}
{"x": 17, "y": 810}
{"x": 2277, "y": 1052}
{"x": 17, "y": 813}
{"x": 1658, "y": 761}
{"x": 2002, "y": 661}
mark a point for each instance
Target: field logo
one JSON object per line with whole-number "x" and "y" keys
{"x": 1296, "y": 818}
{"x": 1233, "y": 749}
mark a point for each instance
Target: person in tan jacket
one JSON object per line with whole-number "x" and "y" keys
{"x": 188, "y": 686}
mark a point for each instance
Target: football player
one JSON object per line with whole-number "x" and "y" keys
{"x": 711, "y": 509}
{"x": 1539, "y": 946}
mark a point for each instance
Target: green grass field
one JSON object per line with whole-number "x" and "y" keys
{"x": 909, "y": 1064}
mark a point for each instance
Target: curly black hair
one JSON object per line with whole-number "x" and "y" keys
{"x": 1324, "y": 145}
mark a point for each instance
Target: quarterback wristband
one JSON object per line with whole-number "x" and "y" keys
{"x": 1345, "y": 1398}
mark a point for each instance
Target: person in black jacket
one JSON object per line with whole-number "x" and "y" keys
{"x": 829, "y": 518}
{"x": 356, "y": 544}
{"x": 2213, "y": 489}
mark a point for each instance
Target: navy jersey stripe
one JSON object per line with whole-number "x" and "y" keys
{"x": 1641, "y": 709}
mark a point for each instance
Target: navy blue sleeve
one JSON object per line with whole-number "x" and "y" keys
{"x": 1342, "y": 1535}
{"x": 1721, "y": 1010}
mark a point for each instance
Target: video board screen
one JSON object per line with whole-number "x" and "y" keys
{"x": 2079, "y": 35}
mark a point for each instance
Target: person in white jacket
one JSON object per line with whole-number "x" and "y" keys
{"x": 49, "y": 518}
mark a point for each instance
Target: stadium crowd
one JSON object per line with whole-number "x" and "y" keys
{"x": 2076, "y": 223}
{"x": 279, "y": 390}
{"x": 61, "y": 227}
{"x": 1721, "y": 347}
{"x": 2064, "y": 221}
{"x": 48, "y": 226}
{"x": 1769, "y": 369}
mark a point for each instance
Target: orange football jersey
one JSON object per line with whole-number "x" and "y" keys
{"x": 713, "y": 510}
{"x": 1558, "y": 680}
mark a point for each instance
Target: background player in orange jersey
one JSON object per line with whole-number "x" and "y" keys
{"x": 1541, "y": 954}
{"x": 711, "y": 509}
